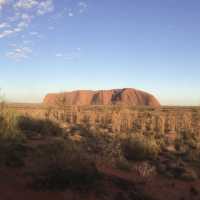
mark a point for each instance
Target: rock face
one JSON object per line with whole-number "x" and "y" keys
{"x": 126, "y": 96}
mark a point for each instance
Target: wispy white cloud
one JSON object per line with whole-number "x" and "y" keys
{"x": 75, "y": 10}
{"x": 34, "y": 33}
{"x": 82, "y": 6}
{"x": 45, "y": 7}
{"x": 16, "y": 16}
{"x": 18, "y": 53}
{"x": 25, "y": 4}
{"x": 26, "y": 17}
{"x": 39, "y": 7}
{"x": 22, "y": 25}
{"x": 23, "y": 12}
{"x": 70, "y": 13}
{"x": 70, "y": 55}
{"x": 7, "y": 30}
{"x": 6, "y": 33}
{"x": 27, "y": 42}
{"x": 4, "y": 25}
{"x": 59, "y": 55}
{"x": 2, "y": 3}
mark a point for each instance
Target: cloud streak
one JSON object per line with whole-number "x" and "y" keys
{"x": 70, "y": 55}
{"x": 82, "y": 6}
{"x": 45, "y": 7}
{"x": 17, "y": 22}
{"x": 18, "y": 53}
{"x": 25, "y": 4}
{"x": 22, "y": 14}
{"x": 4, "y": 25}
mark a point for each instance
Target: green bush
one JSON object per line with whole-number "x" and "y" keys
{"x": 62, "y": 164}
{"x": 140, "y": 147}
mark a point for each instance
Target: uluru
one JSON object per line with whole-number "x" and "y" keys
{"x": 125, "y": 96}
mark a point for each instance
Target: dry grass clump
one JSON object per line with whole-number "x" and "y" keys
{"x": 140, "y": 147}
{"x": 62, "y": 164}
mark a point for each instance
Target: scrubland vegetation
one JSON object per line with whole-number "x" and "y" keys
{"x": 69, "y": 149}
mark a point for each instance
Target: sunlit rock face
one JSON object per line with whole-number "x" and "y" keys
{"x": 126, "y": 96}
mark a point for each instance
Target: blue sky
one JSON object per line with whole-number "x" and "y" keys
{"x": 58, "y": 45}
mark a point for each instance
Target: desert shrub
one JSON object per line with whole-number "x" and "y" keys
{"x": 31, "y": 126}
{"x": 189, "y": 175}
{"x": 191, "y": 139}
{"x": 12, "y": 150}
{"x": 8, "y": 124}
{"x": 62, "y": 164}
{"x": 123, "y": 164}
{"x": 177, "y": 169}
{"x": 188, "y": 144}
{"x": 104, "y": 147}
{"x": 140, "y": 147}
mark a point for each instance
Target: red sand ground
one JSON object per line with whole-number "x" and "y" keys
{"x": 13, "y": 186}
